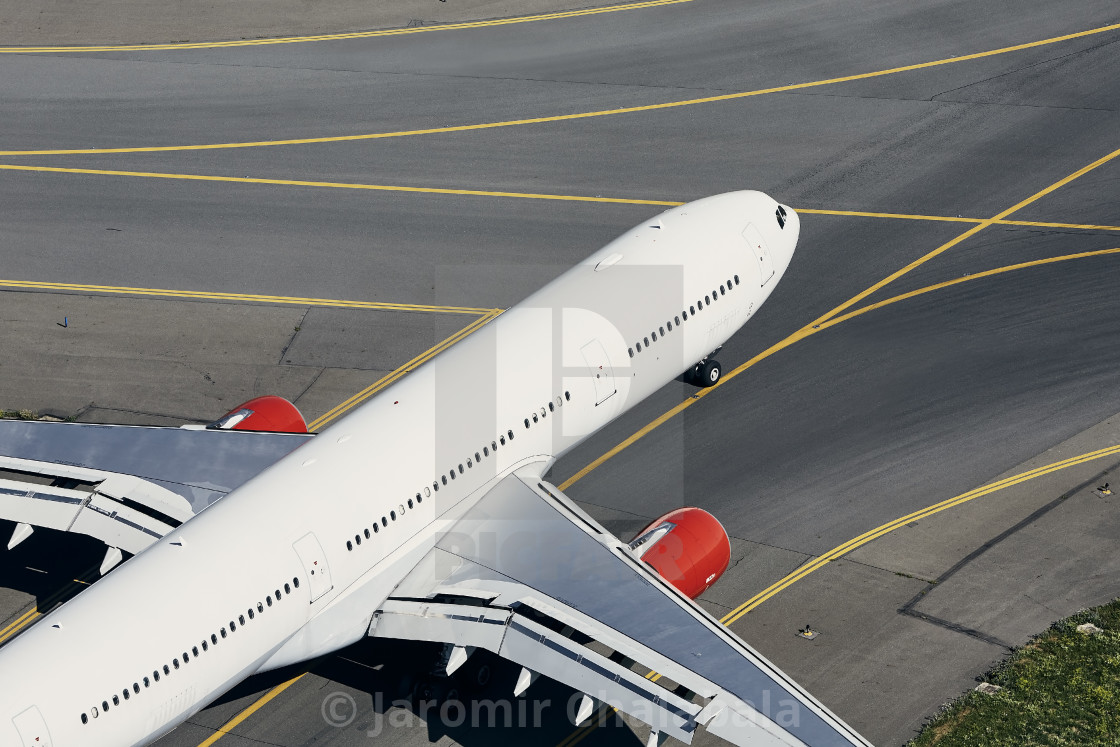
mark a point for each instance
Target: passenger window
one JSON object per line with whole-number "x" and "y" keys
{"x": 503, "y": 440}
{"x": 452, "y": 474}
{"x": 435, "y": 485}
{"x": 376, "y": 527}
{"x": 268, "y": 601}
{"x": 366, "y": 533}
{"x": 393, "y": 515}
{"x": 662, "y": 330}
{"x": 349, "y": 546}
{"x": 260, "y": 607}
{"x": 241, "y": 619}
{"x": 728, "y": 285}
{"x": 535, "y": 418}
{"x": 551, "y": 407}
{"x": 194, "y": 650}
{"x": 136, "y": 688}
{"x": 155, "y": 676}
{"x": 357, "y": 539}
{"x": 477, "y": 458}
{"x": 639, "y": 347}
{"x": 186, "y": 658}
{"x": 175, "y": 662}
{"x": 736, "y": 280}
{"x": 567, "y": 395}
{"x": 427, "y": 492}
{"x": 232, "y": 626}
{"x": 510, "y": 434}
{"x": 205, "y": 646}
{"x": 721, "y": 290}
{"x": 85, "y": 719}
{"x": 691, "y": 309}
{"x": 485, "y": 451}
{"x": 104, "y": 705}
{"x": 126, "y": 694}
{"x": 443, "y": 479}
{"x": 460, "y": 469}
{"x": 707, "y": 299}
{"x": 287, "y": 589}
{"x": 146, "y": 682}
{"x": 214, "y": 638}
{"x": 295, "y": 582}
{"x": 677, "y": 319}
{"x": 653, "y": 336}
{"x": 646, "y": 341}
{"x": 669, "y": 326}
{"x": 494, "y": 445}
{"x": 410, "y": 503}
{"x": 116, "y": 700}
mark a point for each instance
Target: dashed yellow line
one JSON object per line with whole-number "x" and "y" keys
{"x": 532, "y": 196}
{"x": 852, "y": 544}
{"x": 575, "y": 116}
{"x": 346, "y": 35}
{"x": 240, "y": 297}
{"x": 400, "y": 372}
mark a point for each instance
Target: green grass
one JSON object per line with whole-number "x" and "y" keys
{"x": 1062, "y": 688}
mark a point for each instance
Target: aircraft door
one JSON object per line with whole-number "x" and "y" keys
{"x": 761, "y": 253}
{"x": 317, "y": 573}
{"x": 32, "y": 728}
{"x": 595, "y": 355}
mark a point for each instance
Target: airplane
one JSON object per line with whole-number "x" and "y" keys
{"x": 422, "y": 515}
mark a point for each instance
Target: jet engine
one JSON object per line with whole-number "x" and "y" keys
{"x": 687, "y": 547}
{"x": 268, "y": 413}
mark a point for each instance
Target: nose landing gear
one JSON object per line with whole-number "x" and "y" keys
{"x": 707, "y": 372}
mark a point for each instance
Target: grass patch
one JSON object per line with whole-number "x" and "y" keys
{"x": 1061, "y": 688}
{"x": 18, "y": 415}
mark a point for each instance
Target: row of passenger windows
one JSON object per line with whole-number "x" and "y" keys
{"x": 176, "y": 663}
{"x": 455, "y": 472}
{"x": 668, "y": 326}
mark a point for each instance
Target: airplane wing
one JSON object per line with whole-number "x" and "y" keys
{"x": 529, "y": 576}
{"x": 125, "y": 485}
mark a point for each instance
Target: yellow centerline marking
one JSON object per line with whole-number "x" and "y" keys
{"x": 863, "y": 539}
{"x": 34, "y": 614}
{"x": 531, "y": 196}
{"x": 575, "y": 116}
{"x": 240, "y": 297}
{"x": 816, "y": 325}
{"x": 344, "y": 35}
{"x": 260, "y": 703}
{"x": 400, "y": 372}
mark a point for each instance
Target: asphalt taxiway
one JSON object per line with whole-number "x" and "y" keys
{"x": 907, "y": 443}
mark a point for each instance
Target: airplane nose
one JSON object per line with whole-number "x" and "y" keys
{"x": 790, "y": 223}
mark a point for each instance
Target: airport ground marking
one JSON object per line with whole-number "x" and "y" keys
{"x": 838, "y": 552}
{"x": 451, "y": 191}
{"x": 400, "y": 372}
{"x": 232, "y": 724}
{"x": 1002, "y": 215}
{"x": 34, "y": 614}
{"x": 574, "y": 116}
{"x": 239, "y": 297}
{"x": 173, "y": 46}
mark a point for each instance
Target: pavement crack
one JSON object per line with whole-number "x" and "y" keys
{"x": 295, "y": 334}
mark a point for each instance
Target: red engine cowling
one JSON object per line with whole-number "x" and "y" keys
{"x": 688, "y": 548}
{"x": 268, "y": 413}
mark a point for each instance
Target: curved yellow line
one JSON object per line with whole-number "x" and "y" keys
{"x": 175, "y": 46}
{"x": 567, "y": 117}
{"x": 838, "y": 552}
{"x": 787, "y": 342}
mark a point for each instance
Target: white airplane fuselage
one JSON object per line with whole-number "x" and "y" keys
{"x": 289, "y": 566}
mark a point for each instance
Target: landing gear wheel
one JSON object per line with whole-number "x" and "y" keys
{"x": 709, "y": 373}
{"x": 434, "y": 690}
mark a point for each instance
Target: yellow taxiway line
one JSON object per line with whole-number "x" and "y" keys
{"x": 575, "y": 116}
{"x": 239, "y": 297}
{"x": 344, "y": 35}
{"x": 532, "y": 196}
{"x": 34, "y": 614}
{"x": 230, "y": 725}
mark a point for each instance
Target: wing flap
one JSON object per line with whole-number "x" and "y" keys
{"x": 584, "y": 611}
